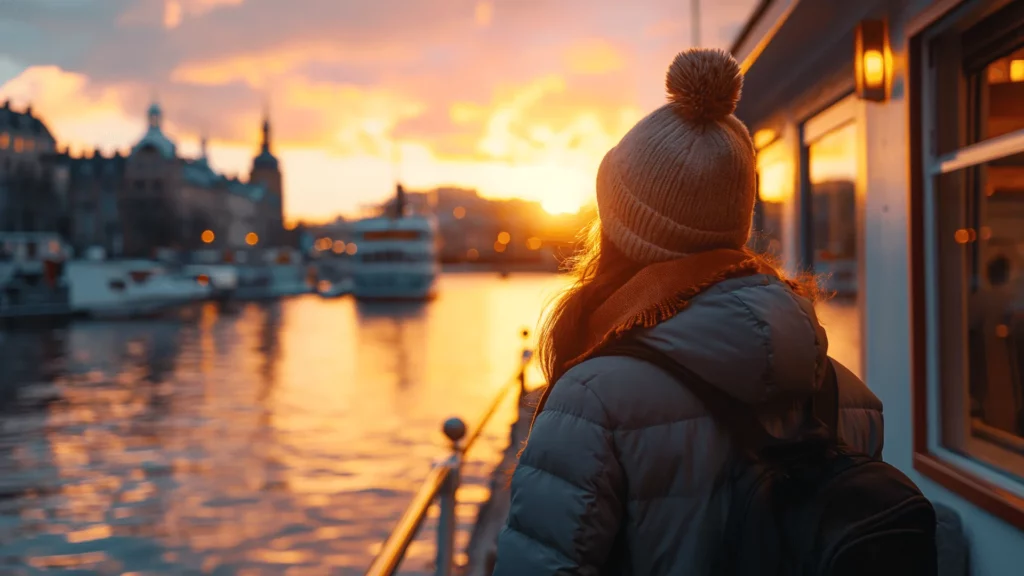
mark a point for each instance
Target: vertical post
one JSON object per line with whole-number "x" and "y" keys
{"x": 695, "y": 22}
{"x": 523, "y": 361}
{"x": 455, "y": 430}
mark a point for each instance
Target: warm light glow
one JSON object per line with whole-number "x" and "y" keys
{"x": 834, "y": 156}
{"x": 1016, "y": 70}
{"x": 339, "y": 246}
{"x": 561, "y": 203}
{"x": 203, "y": 280}
{"x": 499, "y": 247}
{"x": 5, "y": 140}
{"x": 208, "y": 236}
{"x": 775, "y": 173}
{"x": 323, "y": 286}
{"x": 351, "y": 249}
{"x": 54, "y": 247}
{"x": 18, "y": 144}
{"x": 961, "y": 236}
{"x": 504, "y": 237}
{"x": 251, "y": 238}
{"x": 459, "y": 212}
{"x": 763, "y": 137}
{"x": 874, "y": 68}
{"x": 533, "y": 243}
{"x": 472, "y": 254}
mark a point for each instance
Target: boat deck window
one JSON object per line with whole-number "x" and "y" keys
{"x": 381, "y": 235}
{"x": 969, "y": 253}
{"x": 394, "y": 256}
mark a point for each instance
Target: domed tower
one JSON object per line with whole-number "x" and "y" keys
{"x": 267, "y": 172}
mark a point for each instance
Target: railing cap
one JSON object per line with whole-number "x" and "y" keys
{"x": 454, "y": 429}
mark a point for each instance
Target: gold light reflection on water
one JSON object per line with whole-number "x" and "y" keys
{"x": 259, "y": 435}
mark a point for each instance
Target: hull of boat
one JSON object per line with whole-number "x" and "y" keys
{"x": 395, "y": 284}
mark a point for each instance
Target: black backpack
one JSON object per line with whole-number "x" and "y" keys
{"x": 810, "y": 506}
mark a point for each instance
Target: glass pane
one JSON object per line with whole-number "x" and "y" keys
{"x": 775, "y": 187}
{"x": 1002, "y": 89}
{"x": 994, "y": 235}
{"x": 832, "y": 166}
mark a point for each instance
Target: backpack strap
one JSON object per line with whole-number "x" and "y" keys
{"x": 825, "y": 403}
{"x": 739, "y": 418}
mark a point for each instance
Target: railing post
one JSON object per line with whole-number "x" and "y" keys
{"x": 455, "y": 430}
{"x": 527, "y": 354}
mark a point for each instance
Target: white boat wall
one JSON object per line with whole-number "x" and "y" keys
{"x": 396, "y": 258}
{"x": 890, "y": 144}
{"x": 222, "y": 278}
{"x": 125, "y": 288}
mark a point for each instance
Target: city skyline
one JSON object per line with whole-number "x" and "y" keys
{"x": 359, "y": 95}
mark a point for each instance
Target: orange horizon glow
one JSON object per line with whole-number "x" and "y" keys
{"x": 351, "y": 114}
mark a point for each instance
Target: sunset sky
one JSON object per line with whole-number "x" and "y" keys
{"x": 512, "y": 97}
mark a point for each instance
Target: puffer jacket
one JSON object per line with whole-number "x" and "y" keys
{"x": 619, "y": 474}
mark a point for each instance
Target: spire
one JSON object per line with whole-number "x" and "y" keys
{"x": 265, "y": 143}
{"x": 202, "y": 147}
{"x": 154, "y": 114}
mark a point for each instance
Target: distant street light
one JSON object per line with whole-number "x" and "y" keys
{"x": 339, "y": 246}
{"x": 504, "y": 237}
{"x": 251, "y": 238}
{"x": 208, "y": 236}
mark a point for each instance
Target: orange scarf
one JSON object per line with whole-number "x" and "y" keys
{"x": 659, "y": 292}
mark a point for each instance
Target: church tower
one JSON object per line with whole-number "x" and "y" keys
{"x": 266, "y": 171}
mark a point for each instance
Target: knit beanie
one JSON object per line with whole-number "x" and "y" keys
{"x": 683, "y": 179}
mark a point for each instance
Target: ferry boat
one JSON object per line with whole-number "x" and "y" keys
{"x": 890, "y": 139}
{"x": 396, "y": 255}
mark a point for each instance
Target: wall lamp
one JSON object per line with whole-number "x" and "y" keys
{"x": 872, "y": 60}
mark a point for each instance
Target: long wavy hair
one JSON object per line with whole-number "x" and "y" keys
{"x": 599, "y": 269}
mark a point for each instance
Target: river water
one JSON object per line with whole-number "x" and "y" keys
{"x": 267, "y": 438}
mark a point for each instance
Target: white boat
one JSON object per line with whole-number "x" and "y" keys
{"x": 128, "y": 288}
{"x": 396, "y": 256}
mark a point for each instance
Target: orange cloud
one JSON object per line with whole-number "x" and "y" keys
{"x": 594, "y": 56}
{"x": 350, "y": 119}
{"x": 484, "y": 13}
{"x": 259, "y": 69}
{"x": 78, "y": 114}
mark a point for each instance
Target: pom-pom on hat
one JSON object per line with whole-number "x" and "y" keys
{"x": 683, "y": 179}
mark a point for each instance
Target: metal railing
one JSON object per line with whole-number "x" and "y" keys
{"x": 441, "y": 484}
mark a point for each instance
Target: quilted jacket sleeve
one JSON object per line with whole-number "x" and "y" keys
{"x": 567, "y": 491}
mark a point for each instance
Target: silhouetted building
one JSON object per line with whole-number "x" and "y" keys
{"x": 266, "y": 171}
{"x": 92, "y": 184}
{"x": 172, "y": 202}
{"x": 27, "y": 199}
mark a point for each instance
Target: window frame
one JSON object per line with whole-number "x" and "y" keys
{"x": 968, "y": 476}
{"x": 836, "y": 114}
{"x": 813, "y": 128}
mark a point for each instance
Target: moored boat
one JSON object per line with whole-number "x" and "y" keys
{"x": 396, "y": 255}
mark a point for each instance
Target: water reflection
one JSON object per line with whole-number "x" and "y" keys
{"x": 250, "y": 439}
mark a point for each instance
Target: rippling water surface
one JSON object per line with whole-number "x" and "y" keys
{"x": 273, "y": 438}
{"x": 269, "y": 438}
